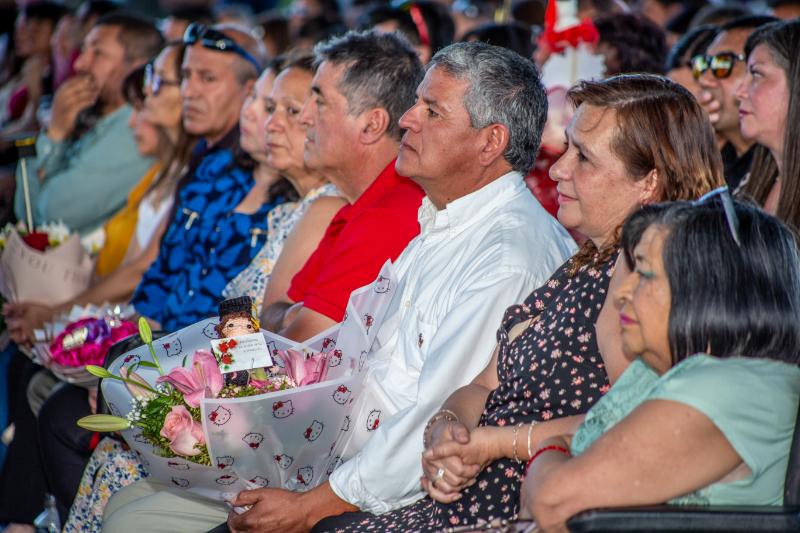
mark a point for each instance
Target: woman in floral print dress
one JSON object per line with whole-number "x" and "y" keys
{"x": 559, "y": 350}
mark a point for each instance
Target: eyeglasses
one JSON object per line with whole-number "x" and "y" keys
{"x": 216, "y": 40}
{"x": 721, "y": 64}
{"x": 727, "y": 206}
{"x": 156, "y": 82}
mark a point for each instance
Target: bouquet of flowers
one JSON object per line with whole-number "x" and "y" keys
{"x": 199, "y": 426}
{"x": 48, "y": 265}
{"x": 81, "y": 337}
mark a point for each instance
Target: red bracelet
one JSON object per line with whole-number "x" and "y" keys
{"x": 540, "y": 451}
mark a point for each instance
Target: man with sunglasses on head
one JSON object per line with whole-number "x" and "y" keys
{"x": 220, "y": 66}
{"x": 719, "y": 72}
{"x": 86, "y": 159}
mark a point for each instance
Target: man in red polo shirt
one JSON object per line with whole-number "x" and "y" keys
{"x": 363, "y": 84}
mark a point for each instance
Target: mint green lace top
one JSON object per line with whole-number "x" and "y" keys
{"x": 753, "y": 402}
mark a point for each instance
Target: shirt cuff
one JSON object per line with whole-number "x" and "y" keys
{"x": 346, "y": 483}
{"x": 48, "y": 153}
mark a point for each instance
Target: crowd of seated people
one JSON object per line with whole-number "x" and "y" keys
{"x": 570, "y": 312}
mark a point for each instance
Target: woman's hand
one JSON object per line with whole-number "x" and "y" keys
{"x": 462, "y": 454}
{"x": 23, "y": 317}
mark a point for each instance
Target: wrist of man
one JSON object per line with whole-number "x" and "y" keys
{"x": 322, "y": 502}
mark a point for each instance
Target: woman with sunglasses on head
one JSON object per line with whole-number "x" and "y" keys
{"x": 295, "y": 229}
{"x": 633, "y": 140}
{"x": 132, "y": 235}
{"x": 769, "y": 113}
{"x": 705, "y": 413}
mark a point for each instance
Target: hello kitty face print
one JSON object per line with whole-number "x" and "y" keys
{"x": 284, "y": 461}
{"x": 328, "y": 344}
{"x": 341, "y": 395}
{"x": 220, "y": 415}
{"x": 172, "y": 348}
{"x": 373, "y": 420}
{"x": 253, "y": 440}
{"x": 313, "y": 431}
{"x": 224, "y": 461}
{"x": 305, "y": 475}
{"x": 131, "y": 359}
{"x": 227, "y": 479}
{"x": 259, "y": 481}
{"x": 282, "y": 409}
{"x": 210, "y": 331}
{"x": 382, "y": 285}
{"x": 335, "y": 358}
{"x": 177, "y": 465}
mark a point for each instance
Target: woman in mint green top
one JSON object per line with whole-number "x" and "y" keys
{"x": 705, "y": 413}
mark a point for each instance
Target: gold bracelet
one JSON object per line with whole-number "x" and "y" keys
{"x": 514, "y": 445}
{"x": 530, "y": 430}
{"x": 445, "y": 414}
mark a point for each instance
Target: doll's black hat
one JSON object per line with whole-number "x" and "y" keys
{"x": 242, "y": 304}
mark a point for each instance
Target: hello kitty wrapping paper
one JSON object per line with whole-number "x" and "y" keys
{"x": 288, "y": 439}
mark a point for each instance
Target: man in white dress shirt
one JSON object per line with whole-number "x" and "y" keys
{"x": 485, "y": 243}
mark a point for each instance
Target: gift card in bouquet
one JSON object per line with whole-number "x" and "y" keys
{"x": 243, "y": 352}
{"x": 289, "y": 437}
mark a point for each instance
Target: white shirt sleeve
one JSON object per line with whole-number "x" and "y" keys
{"x": 385, "y": 474}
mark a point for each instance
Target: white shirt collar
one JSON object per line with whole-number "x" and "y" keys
{"x": 462, "y": 212}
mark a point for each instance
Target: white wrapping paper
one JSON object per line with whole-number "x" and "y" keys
{"x": 51, "y": 277}
{"x": 288, "y": 439}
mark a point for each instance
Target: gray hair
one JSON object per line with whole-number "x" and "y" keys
{"x": 382, "y": 70}
{"x": 504, "y": 88}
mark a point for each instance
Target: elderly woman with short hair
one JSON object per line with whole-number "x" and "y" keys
{"x": 705, "y": 413}
{"x": 633, "y": 140}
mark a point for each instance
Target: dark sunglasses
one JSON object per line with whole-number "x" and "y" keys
{"x": 721, "y": 64}
{"x": 727, "y": 206}
{"x": 156, "y": 82}
{"x": 216, "y": 40}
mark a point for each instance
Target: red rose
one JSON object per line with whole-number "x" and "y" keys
{"x": 223, "y": 347}
{"x": 232, "y": 343}
{"x": 227, "y": 359}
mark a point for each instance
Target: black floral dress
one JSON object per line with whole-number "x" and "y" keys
{"x": 552, "y": 369}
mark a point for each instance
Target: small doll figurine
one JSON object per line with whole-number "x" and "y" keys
{"x": 236, "y": 318}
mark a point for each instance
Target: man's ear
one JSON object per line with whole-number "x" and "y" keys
{"x": 374, "y": 124}
{"x": 248, "y": 86}
{"x": 494, "y": 141}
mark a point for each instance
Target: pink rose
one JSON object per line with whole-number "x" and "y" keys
{"x": 183, "y": 432}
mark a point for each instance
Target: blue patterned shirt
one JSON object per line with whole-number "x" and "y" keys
{"x": 207, "y": 243}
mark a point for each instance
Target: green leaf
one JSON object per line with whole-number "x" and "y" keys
{"x": 100, "y": 372}
{"x": 104, "y": 423}
{"x": 144, "y": 331}
{"x": 148, "y": 364}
